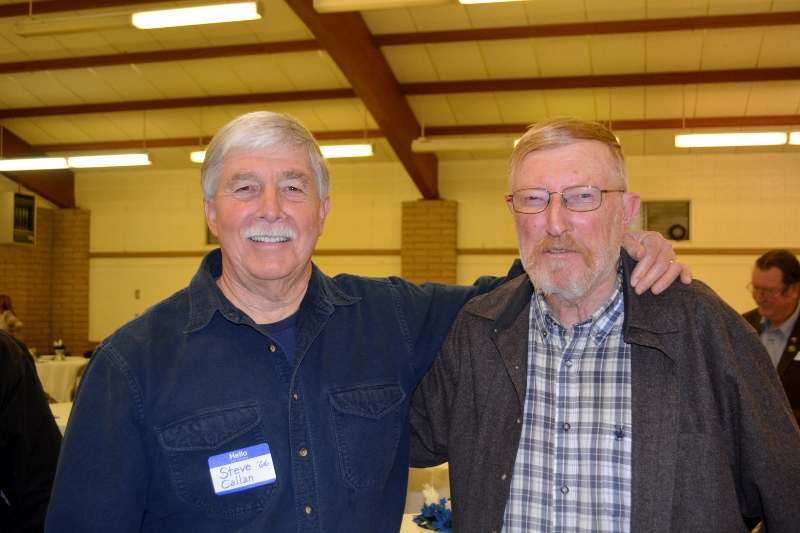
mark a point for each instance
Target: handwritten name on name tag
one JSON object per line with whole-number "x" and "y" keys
{"x": 241, "y": 469}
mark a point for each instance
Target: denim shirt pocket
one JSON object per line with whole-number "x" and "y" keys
{"x": 368, "y": 424}
{"x": 187, "y": 444}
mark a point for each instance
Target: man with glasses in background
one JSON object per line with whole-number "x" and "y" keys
{"x": 565, "y": 402}
{"x": 775, "y": 287}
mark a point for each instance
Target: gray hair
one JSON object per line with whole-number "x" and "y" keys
{"x": 563, "y": 131}
{"x": 257, "y": 131}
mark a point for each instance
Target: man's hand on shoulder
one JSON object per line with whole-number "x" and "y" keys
{"x": 657, "y": 266}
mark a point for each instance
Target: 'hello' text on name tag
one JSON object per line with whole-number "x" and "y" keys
{"x": 241, "y": 469}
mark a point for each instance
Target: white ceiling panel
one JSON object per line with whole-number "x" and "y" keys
{"x": 13, "y": 94}
{"x": 780, "y": 47}
{"x": 215, "y": 77}
{"x": 497, "y": 15}
{"x": 259, "y": 74}
{"x": 346, "y": 114}
{"x": 84, "y": 44}
{"x": 722, "y": 99}
{"x": 30, "y": 131}
{"x": 88, "y": 88}
{"x": 46, "y": 88}
{"x": 617, "y": 54}
{"x": 129, "y": 82}
{"x": 775, "y": 98}
{"x": 736, "y": 7}
{"x": 627, "y": 103}
{"x": 458, "y": 61}
{"x": 563, "y": 56}
{"x": 171, "y": 80}
{"x": 440, "y": 17}
{"x": 173, "y": 123}
{"x": 732, "y": 49}
{"x": 541, "y": 12}
{"x": 310, "y": 70}
{"x": 477, "y": 108}
{"x": 410, "y": 63}
{"x": 675, "y": 8}
{"x": 597, "y": 10}
{"x": 432, "y": 110}
{"x": 669, "y": 101}
{"x": 510, "y": 59}
{"x": 674, "y": 51}
{"x": 523, "y": 107}
{"x": 571, "y": 102}
{"x": 382, "y": 21}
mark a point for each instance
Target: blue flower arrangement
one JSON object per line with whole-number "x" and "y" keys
{"x": 434, "y": 515}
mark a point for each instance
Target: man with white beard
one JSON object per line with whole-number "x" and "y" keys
{"x": 565, "y": 402}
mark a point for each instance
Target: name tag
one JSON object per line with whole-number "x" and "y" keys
{"x": 241, "y": 469}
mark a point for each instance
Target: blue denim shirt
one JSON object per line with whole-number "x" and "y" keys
{"x": 193, "y": 377}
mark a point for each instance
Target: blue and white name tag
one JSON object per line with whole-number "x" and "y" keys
{"x": 241, "y": 469}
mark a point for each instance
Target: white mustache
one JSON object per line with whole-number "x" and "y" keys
{"x": 269, "y": 234}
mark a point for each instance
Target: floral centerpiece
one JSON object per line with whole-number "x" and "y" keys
{"x": 435, "y": 515}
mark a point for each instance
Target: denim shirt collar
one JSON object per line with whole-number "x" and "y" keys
{"x": 206, "y": 298}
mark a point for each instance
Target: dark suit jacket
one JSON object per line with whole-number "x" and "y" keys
{"x": 788, "y": 368}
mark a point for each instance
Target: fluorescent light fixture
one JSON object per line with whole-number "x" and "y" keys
{"x": 37, "y": 163}
{"x": 86, "y": 161}
{"x": 707, "y": 140}
{"x": 55, "y": 26}
{"x": 191, "y": 16}
{"x": 328, "y": 152}
{"x": 423, "y": 144}
{"x": 115, "y": 160}
{"x": 333, "y": 6}
{"x": 346, "y": 150}
{"x": 794, "y": 137}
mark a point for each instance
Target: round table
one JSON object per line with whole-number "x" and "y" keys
{"x": 58, "y": 377}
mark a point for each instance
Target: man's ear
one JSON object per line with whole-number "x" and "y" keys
{"x": 631, "y": 204}
{"x": 324, "y": 207}
{"x": 211, "y": 216}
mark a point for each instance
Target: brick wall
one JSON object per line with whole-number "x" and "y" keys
{"x": 49, "y": 282}
{"x": 70, "y": 279}
{"x": 428, "y": 246}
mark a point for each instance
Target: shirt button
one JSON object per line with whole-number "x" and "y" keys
{"x": 294, "y": 395}
{"x": 568, "y": 363}
{"x": 303, "y": 452}
{"x": 309, "y": 509}
{"x": 272, "y": 348}
{"x": 564, "y": 490}
{"x": 503, "y": 477}
{"x": 566, "y": 426}
{"x": 544, "y": 334}
{"x": 519, "y": 421}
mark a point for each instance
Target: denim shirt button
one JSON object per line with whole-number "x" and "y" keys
{"x": 272, "y": 348}
{"x": 294, "y": 395}
{"x": 303, "y": 452}
{"x": 309, "y": 509}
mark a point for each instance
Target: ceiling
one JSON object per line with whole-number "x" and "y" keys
{"x": 649, "y": 68}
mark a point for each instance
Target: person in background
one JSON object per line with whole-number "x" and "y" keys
{"x": 775, "y": 286}
{"x": 8, "y": 319}
{"x": 266, "y": 396}
{"x": 566, "y": 402}
{"x": 29, "y": 441}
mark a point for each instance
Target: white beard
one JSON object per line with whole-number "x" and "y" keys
{"x": 547, "y": 276}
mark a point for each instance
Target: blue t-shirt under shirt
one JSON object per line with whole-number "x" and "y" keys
{"x": 283, "y": 333}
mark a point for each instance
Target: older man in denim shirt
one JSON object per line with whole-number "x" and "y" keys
{"x": 265, "y": 396}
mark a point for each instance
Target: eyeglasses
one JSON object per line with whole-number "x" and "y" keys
{"x": 580, "y": 198}
{"x": 771, "y": 293}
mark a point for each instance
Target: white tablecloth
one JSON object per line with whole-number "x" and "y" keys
{"x": 58, "y": 377}
{"x": 61, "y": 413}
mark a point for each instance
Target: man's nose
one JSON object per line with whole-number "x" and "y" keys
{"x": 557, "y": 215}
{"x": 270, "y": 206}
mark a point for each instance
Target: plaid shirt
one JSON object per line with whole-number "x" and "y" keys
{"x": 573, "y": 465}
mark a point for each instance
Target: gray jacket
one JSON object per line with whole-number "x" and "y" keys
{"x": 714, "y": 437}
